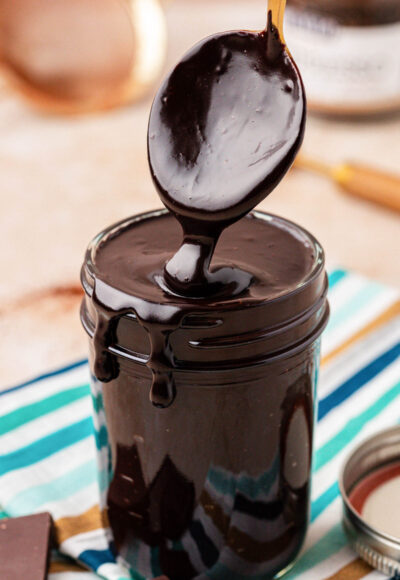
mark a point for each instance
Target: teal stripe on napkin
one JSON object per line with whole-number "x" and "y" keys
{"x": 46, "y": 446}
{"x": 27, "y": 413}
{"x": 57, "y": 489}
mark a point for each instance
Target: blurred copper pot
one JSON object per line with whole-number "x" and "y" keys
{"x": 77, "y": 56}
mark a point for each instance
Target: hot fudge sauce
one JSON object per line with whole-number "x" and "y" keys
{"x": 224, "y": 129}
{"x": 211, "y": 473}
{"x": 219, "y": 479}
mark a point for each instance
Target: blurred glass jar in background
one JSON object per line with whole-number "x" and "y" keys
{"x": 348, "y": 52}
{"x": 77, "y": 56}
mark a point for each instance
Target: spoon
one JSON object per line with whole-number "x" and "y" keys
{"x": 224, "y": 129}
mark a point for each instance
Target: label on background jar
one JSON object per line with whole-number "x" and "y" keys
{"x": 345, "y": 65}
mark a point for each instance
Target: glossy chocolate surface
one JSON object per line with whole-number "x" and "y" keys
{"x": 277, "y": 255}
{"x": 224, "y": 129}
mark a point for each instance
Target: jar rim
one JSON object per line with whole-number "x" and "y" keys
{"x": 220, "y": 335}
{"x": 116, "y": 228}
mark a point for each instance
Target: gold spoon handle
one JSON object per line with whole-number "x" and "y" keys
{"x": 277, "y": 8}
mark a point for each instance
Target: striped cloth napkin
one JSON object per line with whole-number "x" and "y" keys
{"x": 47, "y": 460}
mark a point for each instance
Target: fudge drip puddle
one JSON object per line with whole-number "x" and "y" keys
{"x": 212, "y": 162}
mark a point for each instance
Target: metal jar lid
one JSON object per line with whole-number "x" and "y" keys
{"x": 379, "y": 549}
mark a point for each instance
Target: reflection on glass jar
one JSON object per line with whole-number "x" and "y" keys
{"x": 219, "y": 482}
{"x": 81, "y": 55}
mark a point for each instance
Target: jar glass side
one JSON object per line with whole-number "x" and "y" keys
{"x": 218, "y": 482}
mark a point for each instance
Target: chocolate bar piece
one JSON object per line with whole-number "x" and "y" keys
{"x": 25, "y": 547}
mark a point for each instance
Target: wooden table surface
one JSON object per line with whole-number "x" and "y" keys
{"x": 63, "y": 179}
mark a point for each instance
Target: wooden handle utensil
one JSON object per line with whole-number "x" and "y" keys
{"x": 358, "y": 180}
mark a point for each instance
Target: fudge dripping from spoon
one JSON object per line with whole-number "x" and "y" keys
{"x": 224, "y": 129}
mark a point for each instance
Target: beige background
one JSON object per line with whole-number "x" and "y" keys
{"x": 62, "y": 180}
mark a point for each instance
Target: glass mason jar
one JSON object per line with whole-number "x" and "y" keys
{"x": 348, "y": 52}
{"x": 218, "y": 484}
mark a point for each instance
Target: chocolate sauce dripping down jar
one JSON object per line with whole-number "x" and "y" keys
{"x": 219, "y": 479}
{"x": 205, "y": 351}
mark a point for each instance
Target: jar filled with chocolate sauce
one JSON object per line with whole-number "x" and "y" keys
{"x": 209, "y": 478}
{"x": 348, "y": 52}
